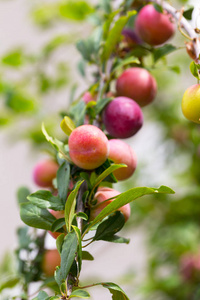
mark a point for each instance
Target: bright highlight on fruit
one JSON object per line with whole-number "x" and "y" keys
{"x": 191, "y": 103}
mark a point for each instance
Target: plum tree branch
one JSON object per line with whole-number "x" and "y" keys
{"x": 184, "y": 24}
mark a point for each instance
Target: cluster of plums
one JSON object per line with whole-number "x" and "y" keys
{"x": 89, "y": 147}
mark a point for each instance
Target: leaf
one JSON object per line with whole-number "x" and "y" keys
{"x": 63, "y": 179}
{"x": 55, "y": 43}
{"x": 80, "y": 294}
{"x": 101, "y": 104}
{"x": 116, "y": 239}
{"x": 188, "y": 12}
{"x": 114, "y": 35}
{"x": 20, "y": 102}
{"x": 9, "y": 283}
{"x": 127, "y": 197}
{"x": 194, "y": 69}
{"x": 70, "y": 206}
{"x": 87, "y": 256}
{"x": 59, "y": 242}
{"x": 58, "y": 224}
{"x": 127, "y": 61}
{"x": 67, "y": 125}
{"x": 115, "y": 290}
{"x": 158, "y": 7}
{"x": 77, "y": 112}
{"x": 79, "y": 253}
{"x": 68, "y": 254}
{"x": 108, "y": 171}
{"x": 22, "y": 194}
{"x": 162, "y": 51}
{"x": 14, "y": 58}
{"x": 110, "y": 226}
{"x": 36, "y": 217}
{"x": 75, "y": 10}
{"x": 82, "y": 215}
{"x": 45, "y": 199}
{"x": 42, "y": 296}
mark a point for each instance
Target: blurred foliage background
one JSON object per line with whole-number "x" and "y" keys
{"x": 37, "y": 84}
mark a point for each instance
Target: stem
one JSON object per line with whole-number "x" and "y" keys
{"x": 184, "y": 24}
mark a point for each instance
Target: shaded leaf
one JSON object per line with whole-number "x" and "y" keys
{"x": 63, "y": 179}
{"x": 162, "y": 51}
{"x": 45, "y": 199}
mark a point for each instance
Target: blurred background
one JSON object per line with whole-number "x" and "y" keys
{"x": 40, "y": 74}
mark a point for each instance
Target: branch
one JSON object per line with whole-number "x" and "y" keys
{"x": 184, "y": 24}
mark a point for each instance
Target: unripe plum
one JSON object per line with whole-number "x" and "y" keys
{"x": 88, "y": 147}
{"x": 102, "y": 194}
{"x": 137, "y": 84}
{"x": 153, "y": 27}
{"x": 51, "y": 260}
{"x": 121, "y": 152}
{"x": 57, "y": 215}
{"x": 122, "y": 117}
{"x": 191, "y": 103}
{"x": 44, "y": 172}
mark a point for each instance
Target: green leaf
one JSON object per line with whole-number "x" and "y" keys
{"x": 79, "y": 253}
{"x": 127, "y": 61}
{"x": 55, "y": 43}
{"x": 126, "y": 198}
{"x": 42, "y": 296}
{"x": 116, "y": 239}
{"x": 68, "y": 254}
{"x": 36, "y": 217}
{"x": 110, "y": 226}
{"x": 77, "y": 112}
{"x": 14, "y": 58}
{"x": 67, "y": 125}
{"x": 22, "y": 194}
{"x": 9, "y": 283}
{"x": 158, "y": 7}
{"x": 59, "y": 242}
{"x": 75, "y": 10}
{"x": 70, "y": 206}
{"x": 63, "y": 178}
{"x": 45, "y": 199}
{"x": 162, "y": 51}
{"x": 108, "y": 171}
{"x": 115, "y": 290}
{"x": 80, "y": 294}
{"x": 87, "y": 256}
{"x": 194, "y": 69}
{"x": 101, "y": 104}
{"x": 114, "y": 35}
{"x": 58, "y": 224}
{"x": 20, "y": 101}
{"x": 82, "y": 215}
{"x": 188, "y": 12}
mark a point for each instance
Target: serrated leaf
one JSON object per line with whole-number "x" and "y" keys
{"x": 162, "y": 51}
{"x": 110, "y": 226}
{"x": 45, "y": 199}
{"x": 36, "y": 217}
{"x": 63, "y": 179}
{"x": 114, "y": 35}
{"x": 80, "y": 294}
{"x": 87, "y": 256}
{"x": 70, "y": 206}
{"x": 67, "y": 125}
{"x": 68, "y": 253}
{"x": 127, "y": 197}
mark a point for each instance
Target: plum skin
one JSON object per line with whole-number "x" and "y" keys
{"x": 137, "y": 84}
{"x": 153, "y": 27}
{"x": 122, "y": 117}
{"x": 88, "y": 147}
{"x": 51, "y": 259}
{"x": 44, "y": 172}
{"x": 121, "y": 152}
{"x": 102, "y": 194}
{"x": 191, "y": 103}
